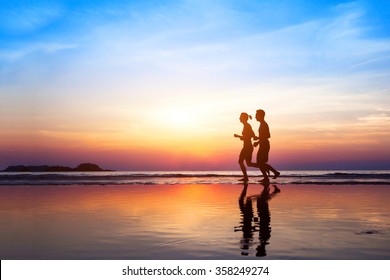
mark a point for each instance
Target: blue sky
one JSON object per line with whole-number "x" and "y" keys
{"x": 111, "y": 71}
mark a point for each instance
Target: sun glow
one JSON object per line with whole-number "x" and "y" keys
{"x": 180, "y": 117}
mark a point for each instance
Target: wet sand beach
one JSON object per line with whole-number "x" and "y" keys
{"x": 197, "y": 221}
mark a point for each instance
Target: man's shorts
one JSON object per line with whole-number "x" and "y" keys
{"x": 262, "y": 154}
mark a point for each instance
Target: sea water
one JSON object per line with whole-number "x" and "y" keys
{"x": 192, "y": 177}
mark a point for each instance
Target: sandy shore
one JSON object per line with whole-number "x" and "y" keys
{"x": 215, "y": 221}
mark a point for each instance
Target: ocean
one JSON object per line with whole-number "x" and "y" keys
{"x": 192, "y": 177}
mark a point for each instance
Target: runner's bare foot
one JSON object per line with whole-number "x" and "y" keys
{"x": 276, "y": 175}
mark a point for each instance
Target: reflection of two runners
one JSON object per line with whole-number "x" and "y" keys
{"x": 247, "y": 150}
{"x": 250, "y": 223}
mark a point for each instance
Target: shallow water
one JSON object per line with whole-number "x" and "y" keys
{"x": 345, "y": 177}
{"x": 195, "y": 222}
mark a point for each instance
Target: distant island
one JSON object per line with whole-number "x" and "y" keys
{"x": 47, "y": 168}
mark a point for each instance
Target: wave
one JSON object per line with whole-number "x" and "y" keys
{"x": 191, "y": 177}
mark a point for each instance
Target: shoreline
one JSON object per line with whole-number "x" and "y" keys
{"x": 327, "y": 177}
{"x": 59, "y": 182}
{"x": 193, "y": 184}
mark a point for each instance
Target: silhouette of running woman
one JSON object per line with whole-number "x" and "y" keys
{"x": 247, "y": 149}
{"x": 263, "y": 152}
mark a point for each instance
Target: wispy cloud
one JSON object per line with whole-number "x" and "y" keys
{"x": 324, "y": 45}
{"x": 381, "y": 117}
{"x": 13, "y": 55}
{"x": 28, "y": 16}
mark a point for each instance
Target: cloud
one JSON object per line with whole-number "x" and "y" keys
{"x": 28, "y": 16}
{"x": 379, "y": 118}
{"x": 13, "y": 55}
{"x": 172, "y": 42}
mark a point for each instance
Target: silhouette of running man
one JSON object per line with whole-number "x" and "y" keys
{"x": 247, "y": 149}
{"x": 263, "y": 152}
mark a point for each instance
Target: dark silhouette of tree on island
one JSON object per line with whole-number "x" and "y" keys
{"x": 83, "y": 167}
{"x": 247, "y": 149}
{"x": 87, "y": 167}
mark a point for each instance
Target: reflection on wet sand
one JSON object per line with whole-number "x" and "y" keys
{"x": 185, "y": 222}
{"x": 250, "y": 223}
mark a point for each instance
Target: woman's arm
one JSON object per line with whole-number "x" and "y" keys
{"x": 238, "y": 136}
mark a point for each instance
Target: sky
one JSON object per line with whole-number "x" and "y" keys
{"x": 160, "y": 85}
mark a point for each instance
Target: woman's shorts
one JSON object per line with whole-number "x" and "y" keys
{"x": 246, "y": 154}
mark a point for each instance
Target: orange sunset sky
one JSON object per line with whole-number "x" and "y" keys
{"x": 160, "y": 85}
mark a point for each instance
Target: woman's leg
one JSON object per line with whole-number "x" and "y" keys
{"x": 242, "y": 165}
{"x": 243, "y": 169}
